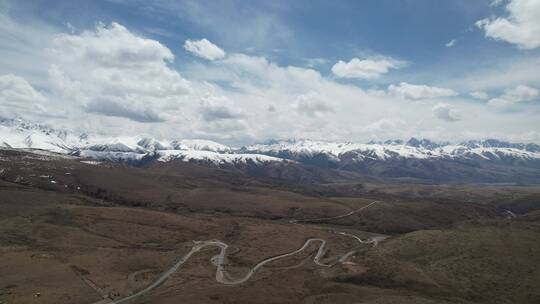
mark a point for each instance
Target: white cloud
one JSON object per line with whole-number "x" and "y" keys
{"x": 257, "y": 75}
{"x": 110, "y": 46}
{"x": 521, "y": 93}
{"x": 355, "y": 114}
{"x": 385, "y": 125}
{"x": 204, "y": 49}
{"x": 63, "y": 86}
{"x": 297, "y": 95}
{"x": 18, "y": 97}
{"x": 365, "y": 68}
{"x": 218, "y": 108}
{"x": 446, "y": 112}
{"x": 450, "y": 43}
{"x": 312, "y": 105}
{"x": 109, "y": 80}
{"x": 413, "y": 91}
{"x": 220, "y": 119}
{"x": 17, "y": 89}
{"x": 110, "y": 71}
{"x": 500, "y": 73}
{"x": 479, "y": 95}
{"x": 117, "y": 107}
{"x": 521, "y": 27}
{"x": 515, "y": 95}
{"x": 21, "y": 51}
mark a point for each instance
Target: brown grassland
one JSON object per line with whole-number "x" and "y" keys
{"x": 72, "y": 232}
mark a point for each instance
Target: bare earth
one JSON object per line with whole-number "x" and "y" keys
{"x": 102, "y": 233}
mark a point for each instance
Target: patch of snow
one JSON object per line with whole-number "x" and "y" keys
{"x": 112, "y": 156}
{"x": 379, "y": 151}
{"x": 214, "y": 157}
{"x": 200, "y": 145}
{"x": 91, "y": 162}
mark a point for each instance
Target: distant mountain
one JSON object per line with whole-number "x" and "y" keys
{"x": 19, "y": 134}
{"x": 472, "y": 161}
{"x": 340, "y": 153}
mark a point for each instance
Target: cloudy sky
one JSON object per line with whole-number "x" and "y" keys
{"x": 246, "y": 71}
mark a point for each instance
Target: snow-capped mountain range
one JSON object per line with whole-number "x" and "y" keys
{"x": 23, "y": 135}
{"x": 412, "y": 149}
{"x": 19, "y": 134}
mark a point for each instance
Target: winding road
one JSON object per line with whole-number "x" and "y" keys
{"x": 321, "y": 219}
{"x": 219, "y": 260}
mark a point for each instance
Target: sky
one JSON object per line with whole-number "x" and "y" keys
{"x": 240, "y": 72}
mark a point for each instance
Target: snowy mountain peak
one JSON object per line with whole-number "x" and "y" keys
{"x": 200, "y": 145}
{"x": 413, "y": 148}
{"x": 20, "y": 134}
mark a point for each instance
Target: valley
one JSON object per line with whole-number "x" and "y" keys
{"x": 78, "y": 231}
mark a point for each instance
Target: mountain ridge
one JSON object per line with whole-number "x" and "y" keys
{"x": 152, "y": 143}
{"x": 481, "y": 160}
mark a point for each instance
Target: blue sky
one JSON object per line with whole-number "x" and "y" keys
{"x": 337, "y": 70}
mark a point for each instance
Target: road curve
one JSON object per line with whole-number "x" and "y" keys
{"x": 333, "y": 217}
{"x": 219, "y": 260}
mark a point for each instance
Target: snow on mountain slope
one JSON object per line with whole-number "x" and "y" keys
{"x": 488, "y": 150}
{"x": 113, "y": 144}
{"x": 114, "y": 156}
{"x": 200, "y": 145}
{"x": 132, "y": 149}
{"x": 309, "y": 148}
{"x": 20, "y": 134}
{"x": 215, "y": 158}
